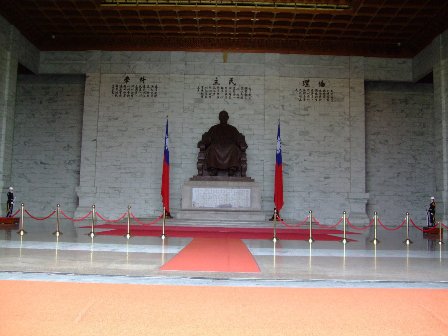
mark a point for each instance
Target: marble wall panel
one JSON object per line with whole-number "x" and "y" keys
{"x": 400, "y": 150}
{"x": 388, "y": 69}
{"x": 47, "y": 142}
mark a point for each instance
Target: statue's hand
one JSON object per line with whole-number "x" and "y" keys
{"x": 201, "y": 145}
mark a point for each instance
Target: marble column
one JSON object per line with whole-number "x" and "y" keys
{"x": 440, "y": 77}
{"x": 357, "y": 197}
{"x": 86, "y": 190}
{"x": 8, "y": 83}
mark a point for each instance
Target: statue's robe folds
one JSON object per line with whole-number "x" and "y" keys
{"x": 224, "y": 145}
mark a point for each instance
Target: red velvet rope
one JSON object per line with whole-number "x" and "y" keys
{"x": 417, "y": 227}
{"x": 40, "y": 218}
{"x": 278, "y": 218}
{"x": 329, "y": 226}
{"x": 292, "y": 225}
{"x": 446, "y": 227}
{"x": 111, "y": 220}
{"x": 423, "y": 230}
{"x": 150, "y": 223}
{"x": 75, "y": 219}
{"x": 394, "y": 229}
{"x": 359, "y": 228}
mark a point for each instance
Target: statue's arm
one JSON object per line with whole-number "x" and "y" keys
{"x": 205, "y": 141}
{"x": 242, "y": 142}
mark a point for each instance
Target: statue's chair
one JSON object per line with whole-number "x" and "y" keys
{"x": 202, "y": 162}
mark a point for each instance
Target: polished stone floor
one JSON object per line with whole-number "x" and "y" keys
{"x": 74, "y": 256}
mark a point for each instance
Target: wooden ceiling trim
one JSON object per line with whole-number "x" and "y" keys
{"x": 301, "y": 5}
{"x": 392, "y": 28}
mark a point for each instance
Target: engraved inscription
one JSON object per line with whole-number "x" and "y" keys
{"x": 220, "y": 198}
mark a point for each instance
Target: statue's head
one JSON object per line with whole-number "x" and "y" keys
{"x": 223, "y": 116}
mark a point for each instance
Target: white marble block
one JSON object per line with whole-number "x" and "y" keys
{"x": 239, "y": 200}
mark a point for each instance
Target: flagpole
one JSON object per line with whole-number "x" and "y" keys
{"x": 274, "y": 239}
{"x": 166, "y": 204}
{"x": 165, "y": 188}
{"x": 278, "y": 179}
{"x": 163, "y": 236}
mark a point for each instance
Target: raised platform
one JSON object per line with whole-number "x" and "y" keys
{"x": 9, "y": 222}
{"x": 221, "y": 198}
{"x": 431, "y": 230}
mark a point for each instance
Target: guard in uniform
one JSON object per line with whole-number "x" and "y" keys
{"x": 10, "y": 202}
{"x": 432, "y": 213}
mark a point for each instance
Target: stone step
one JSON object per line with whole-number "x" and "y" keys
{"x": 218, "y": 223}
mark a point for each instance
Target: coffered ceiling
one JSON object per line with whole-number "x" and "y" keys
{"x": 389, "y": 28}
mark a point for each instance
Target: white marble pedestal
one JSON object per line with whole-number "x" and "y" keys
{"x": 221, "y": 199}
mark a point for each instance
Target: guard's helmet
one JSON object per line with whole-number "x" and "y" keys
{"x": 11, "y": 188}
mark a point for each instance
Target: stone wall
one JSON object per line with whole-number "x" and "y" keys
{"x": 47, "y": 142}
{"x": 125, "y": 165}
{"x": 400, "y": 150}
{"x": 122, "y": 137}
{"x": 14, "y": 49}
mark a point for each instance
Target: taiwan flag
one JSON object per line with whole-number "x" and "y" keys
{"x": 165, "y": 190}
{"x": 278, "y": 183}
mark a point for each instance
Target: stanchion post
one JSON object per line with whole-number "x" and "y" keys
{"x": 128, "y": 233}
{"x": 344, "y": 225}
{"x": 163, "y": 236}
{"x": 407, "y": 241}
{"x": 22, "y": 230}
{"x": 310, "y": 239}
{"x": 375, "y": 224}
{"x": 57, "y": 233}
{"x": 92, "y": 232}
{"x": 274, "y": 238}
{"x": 440, "y": 233}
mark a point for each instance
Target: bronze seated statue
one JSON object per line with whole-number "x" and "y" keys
{"x": 222, "y": 149}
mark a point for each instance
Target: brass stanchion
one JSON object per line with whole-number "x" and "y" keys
{"x": 274, "y": 255}
{"x": 344, "y": 237}
{"x": 56, "y": 249}
{"x": 21, "y": 230}
{"x": 57, "y": 233}
{"x": 91, "y": 250}
{"x": 274, "y": 238}
{"x": 163, "y": 236}
{"x": 375, "y": 224}
{"x": 407, "y": 241}
{"x": 92, "y": 232}
{"x": 163, "y": 252}
{"x": 128, "y": 233}
{"x": 310, "y": 260}
{"x": 21, "y": 245}
{"x": 440, "y": 233}
{"x": 311, "y": 240}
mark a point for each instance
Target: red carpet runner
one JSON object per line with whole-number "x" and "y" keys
{"x": 321, "y": 234}
{"x": 213, "y": 255}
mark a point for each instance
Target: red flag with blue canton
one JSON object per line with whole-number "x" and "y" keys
{"x": 278, "y": 183}
{"x": 165, "y": 190}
